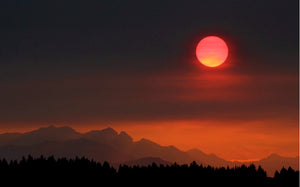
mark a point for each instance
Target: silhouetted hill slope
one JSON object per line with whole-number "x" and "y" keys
{"x": 105, "y": 135}
{"x": 7, "y": 138}
{"x": 205, "y": 159}
{"x": 68, "y": 149}
{"x": 50, "y": 133}
{"x": 274, "y": 162}
{"x": 110, "y": 137}
{"x": 145, "y": 148}
{"x": 115, "y": 147}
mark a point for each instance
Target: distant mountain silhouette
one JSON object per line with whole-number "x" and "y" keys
{"x": 146, "y": 148}
{"x": 274, "y": 162}
{"x": 117, "y": 148}
{"x": 8, "y": 138}
{"x": 41, "y": 135}
{"x": 106, "y": 135}
{"x": 205, "y": 159}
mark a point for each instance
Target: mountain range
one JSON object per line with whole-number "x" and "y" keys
{"x": 116, "y": 148}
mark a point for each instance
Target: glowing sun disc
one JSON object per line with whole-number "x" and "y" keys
{"x": 212, "y": 51}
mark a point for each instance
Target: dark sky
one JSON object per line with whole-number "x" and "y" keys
{"x": 70, "y": 61}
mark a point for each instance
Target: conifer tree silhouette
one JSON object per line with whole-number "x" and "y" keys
{"x": 88, "y": 172}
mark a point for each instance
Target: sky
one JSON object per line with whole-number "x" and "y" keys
{"x": 131, "y": 65}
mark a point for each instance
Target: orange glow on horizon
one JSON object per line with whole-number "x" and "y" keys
{"x": 212, "y": 51}
{"x": 232, "y": 140}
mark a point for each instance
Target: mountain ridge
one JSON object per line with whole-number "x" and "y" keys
{"x": 109, "y": 145}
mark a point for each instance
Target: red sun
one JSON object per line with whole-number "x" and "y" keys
{"x": 212, "y": 51}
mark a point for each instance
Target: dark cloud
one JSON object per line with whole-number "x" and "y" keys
{"x": 79, "y": 60}
{"x": 151, "y": 97}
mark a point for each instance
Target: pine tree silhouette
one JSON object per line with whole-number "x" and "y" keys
{"x": 82, "y": 171}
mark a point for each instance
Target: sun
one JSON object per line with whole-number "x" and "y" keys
{"x": 212, "y": 51}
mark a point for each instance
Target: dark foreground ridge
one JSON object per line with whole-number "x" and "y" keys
{"x": 50, "y": 171}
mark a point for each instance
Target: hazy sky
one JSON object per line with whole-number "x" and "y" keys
{"x": 131, "y": 65}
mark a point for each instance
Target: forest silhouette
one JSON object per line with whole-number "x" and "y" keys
{"x": 50, "y": 171}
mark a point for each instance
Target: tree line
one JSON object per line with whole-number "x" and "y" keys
{"x": 50, "y": 171}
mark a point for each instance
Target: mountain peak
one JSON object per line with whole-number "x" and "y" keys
{"x": 144, "y": 140}
{"x": 54, "y": 129}
{"x": 123, "y": 133}
{"x": 123, "y": 136}
{"x": 49, "y": 127}
{"x": 50, "y": 133}
{"x": 104, "y": 136}
{"x": 109, "y": 130}
{"x": 274, "y": 156}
